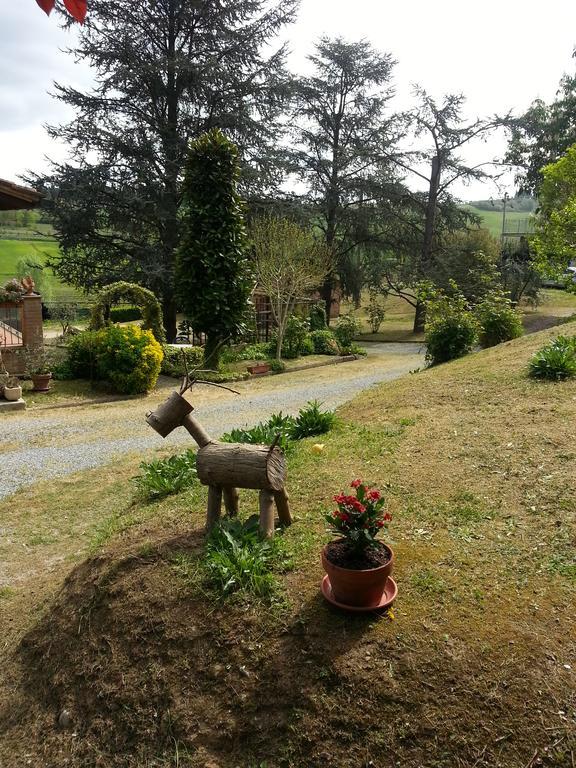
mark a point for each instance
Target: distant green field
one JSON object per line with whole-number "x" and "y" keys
{"x": 12, "y": 251}
{"x": 492, "y": 220}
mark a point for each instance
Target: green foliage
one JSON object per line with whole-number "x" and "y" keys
{"x": 128, "y": 358}
{"x": 237, "y": 559}
{"x": 177, "y": 359}
{"x": 451, "y": 328}
{"x": 556, "y": 361}
{"x": 125, "y": 314}
{"x": 264, "y": 433}
{"x": 212, "y": 269}
{"x": 166, "y": 476}
{"x": 311, "y": 420}
{"x": 307, "y": 346}
{"x": 277, "y": 366}
{"x": 141, "y": 297}
{"x": 469, "y": 259}
{"x": 346, "y": 328}
{"x": 556, "y": 222}
{"x": 317, "y": 317}
{"x": 325, "y": 342}
{"x": 498, "y": 319}
{"x": 376, "y": 312}
{"x": 295, "y": 333}
{"x": 65, "y": 314}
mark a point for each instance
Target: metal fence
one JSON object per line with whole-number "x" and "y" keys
{"x": 11, "y": 325}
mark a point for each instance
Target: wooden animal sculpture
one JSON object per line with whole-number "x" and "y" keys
{"x": 225, "y": 467}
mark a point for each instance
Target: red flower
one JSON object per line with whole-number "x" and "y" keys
{"x": 387, "y": 517}
{"x": 344, "y": 516}
{"x": 374, "y": 495}
{"x": 355, "y": 483}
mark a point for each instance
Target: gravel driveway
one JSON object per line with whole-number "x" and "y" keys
{"x": 40, "y": 444}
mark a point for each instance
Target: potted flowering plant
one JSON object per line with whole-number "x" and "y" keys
{"x": 38, "y": 368}
{"x": 357, "y": 566}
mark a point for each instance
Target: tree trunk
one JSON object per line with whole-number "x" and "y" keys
{"x": 326, "y": 293}
{"x": 169, "y": 317}
{"x": 212, "y": 352}
{"x": 419, "y": 318}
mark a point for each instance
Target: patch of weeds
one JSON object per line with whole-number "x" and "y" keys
{"x": 563, "y": 565}
{"x": 165, "y": 476}
{"x": 108, "y": 527}
{"x": 6, "y": 593}
{"x": 407, "y": 422}
{"x": 465, "y": 508}
{"x": 147, "y": 549}
{"x": 428, "y": 582}
{"x": 311, "y": 420}
{"x": 556, "y": 361}
{"x": 237, "y": 559}
{"x": 38, "y": 539}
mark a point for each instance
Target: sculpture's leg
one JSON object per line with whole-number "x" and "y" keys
{"x": 214, "y": 506}
{"x": 281, "y": 498}
{"x": 231, "y": 500}
{"x": 267, "y": 513}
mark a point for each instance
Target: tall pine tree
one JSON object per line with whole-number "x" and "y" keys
{"x": 166, "y": 71}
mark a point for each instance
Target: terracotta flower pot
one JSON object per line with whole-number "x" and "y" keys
{"x": 358, "y": 588}
{"x": 259, "y": 368}
{"x": 13, "y": 393}
{"x": 41, "y": 381}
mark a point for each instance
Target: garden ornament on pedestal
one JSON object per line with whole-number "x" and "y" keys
{"x": 225, "y": 467}
{"x": 357, "y": 566}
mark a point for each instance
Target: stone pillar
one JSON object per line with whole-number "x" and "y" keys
{"x": 32, "y": 331}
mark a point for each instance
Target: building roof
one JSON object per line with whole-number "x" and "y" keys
{"x": 14, "y": 197}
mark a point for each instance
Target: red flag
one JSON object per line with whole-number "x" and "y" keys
{"x": 46, "y": 5}
{"x": 76, "y": 8}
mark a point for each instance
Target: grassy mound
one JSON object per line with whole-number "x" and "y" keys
{"x": 475, "y": 668}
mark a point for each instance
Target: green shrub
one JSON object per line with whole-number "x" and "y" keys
{"x": 346, "y": 329}
{"x": 498, "y": 319}
{"x": 125, "y": 314}
{"x": 312, "y": 421}
{"x": 173, "y": 361}
{"x": 165, "y": 476}
{"x": 324, "y": 343}
{"x": 317, "y": 317}
{"x": 376, "y": 312}
{"x": 277, "y": 366}
{"x": 451, "y": 329}
{"x": 237, "y": 559}
{"x": 294, "y": 336}
{"x": 128, "y": 358}
{"x": 556, "y": 361}
{"x": 307, "y": 347}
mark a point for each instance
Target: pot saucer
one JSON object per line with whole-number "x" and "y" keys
{"x": 386, "y": 601}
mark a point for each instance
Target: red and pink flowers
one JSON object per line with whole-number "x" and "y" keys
{"x": 359, "y": 517}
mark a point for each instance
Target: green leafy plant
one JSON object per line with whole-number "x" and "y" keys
{"x": 166, "y": 476}
{"x": 376, "y": 312}
{"x": 346, "y": 329}
{"x": 307, "y": 346}
{"x": 311, "y": 420}
{"x": 238, "y": 560}
{"x": 136, "y": 294}
{"x": 325, "y": 342}
{"x": 498, "y": 319}
{"x": 359, "y": 517}
{"x": 295, "y": 333}
{"x": 264, "y": 433}
{"x": 125, "y": 314}
{"x": 556, "y": 361}
{"x": 451, "y": 328}
{"x": 317, "y": 317}
{"x": 37, "y": 360}
{"x": 277, "y": 366}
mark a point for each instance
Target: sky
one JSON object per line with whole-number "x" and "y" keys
{"x": 501, "y": 55}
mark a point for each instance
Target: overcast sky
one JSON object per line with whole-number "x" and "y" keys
{"x": 501, "y": 55}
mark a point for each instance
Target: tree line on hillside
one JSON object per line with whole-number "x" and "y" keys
{"x": 326, "y": 149}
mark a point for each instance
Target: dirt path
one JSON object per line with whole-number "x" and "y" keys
{"x": 56, "y": 442}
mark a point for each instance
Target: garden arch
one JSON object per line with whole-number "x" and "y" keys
{"x": 135, "y": 294}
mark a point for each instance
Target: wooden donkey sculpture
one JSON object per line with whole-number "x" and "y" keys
{"x": 225, "y": 467}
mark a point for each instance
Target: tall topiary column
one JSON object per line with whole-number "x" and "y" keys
{"x": 213, "y": 278}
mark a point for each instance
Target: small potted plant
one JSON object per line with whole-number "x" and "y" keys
{"x": 357, "y": 566}
{"x": 12, "y": 389}
{"x": 38, "y": 367}
{"x": 258, "y": 368}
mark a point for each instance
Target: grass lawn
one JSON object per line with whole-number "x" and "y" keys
{"x": 492, "y": 220}
{"x": 104, "y": 613}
